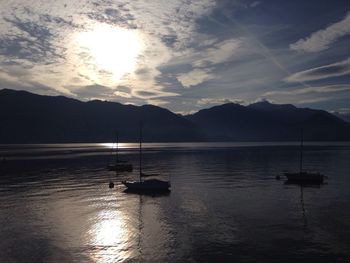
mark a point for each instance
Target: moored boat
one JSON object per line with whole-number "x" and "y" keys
{"x": 147, "y": 185}
{"x": 151, "y": 185}
{"x": 119, "y": 165}
{"x": 304, "y": 177}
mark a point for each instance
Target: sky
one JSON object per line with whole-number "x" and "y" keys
{"x": 182, "y": 55}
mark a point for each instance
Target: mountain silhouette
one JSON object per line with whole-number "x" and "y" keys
{"x": 264, "y": 121}
{"x": 343, "y": 116}
{"x": 31, "y": 118}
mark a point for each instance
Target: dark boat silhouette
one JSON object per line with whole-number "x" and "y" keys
{"x": 119, "y": 165}
{"x": 143, "y": 185}
{"x": 304, "y": 177}
{"x": 147, "y": 185}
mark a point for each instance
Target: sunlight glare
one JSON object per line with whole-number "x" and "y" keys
{"x": 110, "y": 237}
{"x": 111, "y": 49}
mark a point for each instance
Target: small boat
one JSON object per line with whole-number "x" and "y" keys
{"x": 143, "y": 185}
{"x": 304, "y": 177}
{"x": 147, "y": 185}
{"x": 119, "y": 165}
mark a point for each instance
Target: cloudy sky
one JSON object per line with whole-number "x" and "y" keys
{"x": 182, "y": 55}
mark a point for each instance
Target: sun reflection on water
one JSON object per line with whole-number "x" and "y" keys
{"x": 123, "y": 145}
{"x": 110, "y": 237}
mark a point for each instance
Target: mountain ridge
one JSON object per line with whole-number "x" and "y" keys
{"x": 33, "y": 118}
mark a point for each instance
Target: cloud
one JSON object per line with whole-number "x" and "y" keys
{"x": 255, "y": 3}
{"x": 343, "y": 110}
{"x": 218, "y": 53}
{"x": 322, "y": 39}
{"x": 319, "y": 89}
{"x": 41, "y": 37}
{"x": 195, "y": 77}
{"x": 153, "y": 94}
{"x": 11, "y": 81}
{"x": 157, "y": 102}
{"x": 328, "y": 71}
{"x": 93, "y": 92}
{"x": 122, "y": 94}
{"x": 203, "y": 61}
{"x": 314, "y": 100}
{"x": 309, "y": 95}
{"x": 218, "y": 101}
{"x": 205, "y": 44}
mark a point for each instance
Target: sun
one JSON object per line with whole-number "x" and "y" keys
{"x": 109, "y": 49}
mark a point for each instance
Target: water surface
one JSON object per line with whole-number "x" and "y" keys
{"x": 225, "y": 204}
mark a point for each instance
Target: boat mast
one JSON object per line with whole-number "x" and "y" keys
{"x": 140, "y": 159}
{"x": 301, "y": 152}
{"x": 116, "y": 149}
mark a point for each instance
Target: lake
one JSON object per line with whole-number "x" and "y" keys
{"x": 225, "y": 204}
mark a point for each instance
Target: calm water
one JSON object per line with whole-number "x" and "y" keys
{"x": 225, "y": 205}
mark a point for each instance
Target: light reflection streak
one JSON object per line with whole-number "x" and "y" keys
{"x": 111, "y": 238}
{"x": 122, "y": 145}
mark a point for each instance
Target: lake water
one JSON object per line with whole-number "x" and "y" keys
{"x": 225, "y": 204}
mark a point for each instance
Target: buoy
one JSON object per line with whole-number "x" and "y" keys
{"x": 278, "y": 177}
{"x": 111, "y": 184}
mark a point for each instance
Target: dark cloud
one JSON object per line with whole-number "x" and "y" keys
{"x": 123, "y": 89}
{"x": 169, "y": 40}
{"x": 94, "y": 92}
{"x": 33, "y": 42}
{"x": 119, "y": 17}
{"x": 145, "y": 93}
{"x": 58, "y": 21}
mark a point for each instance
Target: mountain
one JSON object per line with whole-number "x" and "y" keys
{"x": 264, "y": 121}
{"x": 31, "y": 118}
{"x": 343, "y": 116}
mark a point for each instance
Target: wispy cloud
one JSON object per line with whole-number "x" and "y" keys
{"x": 322, "y": 39}
{"x": 41, "y": 35}
{"x": 204, "y": 61}
{"x": 152, "y": 94}
{"x": 218, "y": 101}
{"x": 195, "y": 77}
{"x": 328, "y": 71}
{"x": 255, "y": 3}
{"x": 217, "y": 53}
{"x": 191, "y": 53}
{"x": 318, "y": 89}
{"x": 309, "y": 95}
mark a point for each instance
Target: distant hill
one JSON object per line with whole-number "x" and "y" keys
{"x": 31, "y": 118}
{"x": 264, "y": 121}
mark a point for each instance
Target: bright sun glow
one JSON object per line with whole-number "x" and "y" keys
{"x": 109, "y": 49}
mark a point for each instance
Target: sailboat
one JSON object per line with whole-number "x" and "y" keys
{"x": 119, "y": 165}
{"x": 150, "y": 185}
{"x": 304, "y": 177}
